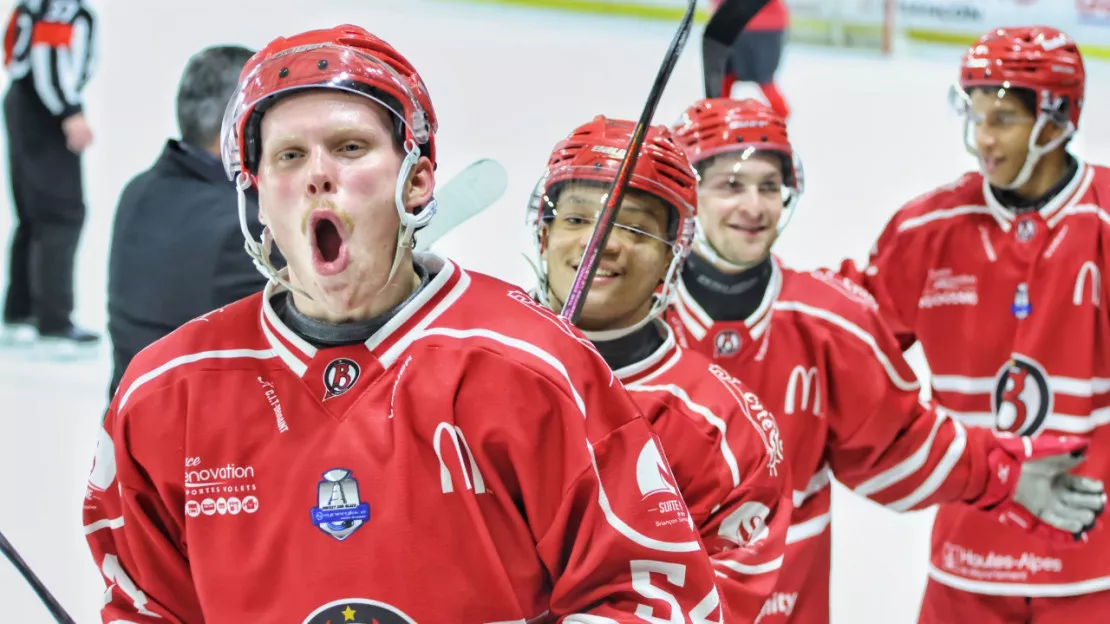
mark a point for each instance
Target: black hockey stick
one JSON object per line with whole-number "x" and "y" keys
{"x": 47, "y": 598}
{"x": 572, "y": 309}
{"x": 729, "y": 20}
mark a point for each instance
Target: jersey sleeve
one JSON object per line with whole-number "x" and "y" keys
{"x": 610, "y": 526}
{"x": 61, "y": 50}
{"x": 887, "y": 443}
{"x": 745, "y": 532}
{"x": 892, "y": 278}
{"x": 136, "y": 541}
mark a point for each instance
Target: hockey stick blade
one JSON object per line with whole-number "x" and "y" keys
{"x": 725, "y": 25}
{"x": 44, "y": 594}
{"x": 470, "y": 192}
{"x": 591, "y": 258}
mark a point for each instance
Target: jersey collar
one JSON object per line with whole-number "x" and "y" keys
{"x": 1065, "y": 199}
{"x": 444, "y": 288}
{"x": 697, "y": 321}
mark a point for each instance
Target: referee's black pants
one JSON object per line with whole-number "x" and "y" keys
{"x": 48, "y": 196}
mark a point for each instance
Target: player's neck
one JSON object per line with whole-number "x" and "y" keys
{"x": 726, "y": 296}
{"x": 403, "y": 283}
{"x": 630, "y": 348}
{"x": 1054, "y": 171}
{"x": 321, "y": 333}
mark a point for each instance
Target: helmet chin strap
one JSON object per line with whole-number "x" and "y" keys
{"x": 410, "y": 222}
{"x": 660, "y": 300}
{"x": 705, "y": 249}
{"x": 259, "y": 251}
{"x": 1036, "y": 152}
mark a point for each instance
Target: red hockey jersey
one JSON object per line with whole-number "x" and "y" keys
{"x": 1012, "y": 313}
{"x": 727, "y": 456}
{"x": 475, "y": 461}
{"x": 818, "y": 354}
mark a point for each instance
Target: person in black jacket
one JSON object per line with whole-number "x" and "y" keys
{"x": 177, "y": 246}
{"x": 50, "y": 47}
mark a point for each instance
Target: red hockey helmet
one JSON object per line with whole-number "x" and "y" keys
{"x": 593, "y": 152}
{"x": 1041, "y": 59}
{"x": 718, "y": 125}
{"x": 345, "y": 58}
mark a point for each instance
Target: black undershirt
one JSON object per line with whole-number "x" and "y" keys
{"x": 726, "y": 296}
{"x": 1021, "y": 205}
{"x": 631, "y": 348}
{"x": 736, "y": 296}
{"x": 321, "y": 334}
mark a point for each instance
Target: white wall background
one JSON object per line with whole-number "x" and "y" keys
{"x": 507, "y": 84}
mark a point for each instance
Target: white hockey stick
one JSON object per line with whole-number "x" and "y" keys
{"x": 470, "y": 192}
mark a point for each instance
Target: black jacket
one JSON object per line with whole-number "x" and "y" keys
{"x": 177, "y": 250}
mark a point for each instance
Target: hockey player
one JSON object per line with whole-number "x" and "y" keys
{"x": 376, "y": 437}
{"x": 756, "y": 54}
{"x": 999, "y": 276}
{"x": 724, "y": 446}
{"x": 814, "y": 346}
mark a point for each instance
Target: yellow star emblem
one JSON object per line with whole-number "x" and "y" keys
{"x": 348, "y": 614}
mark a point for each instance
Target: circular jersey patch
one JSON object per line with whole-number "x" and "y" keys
{"x": 358, "y": 611}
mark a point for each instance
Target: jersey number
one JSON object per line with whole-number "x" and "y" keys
{"x": 115, "y": 573}
{"x": 675, "y": 574}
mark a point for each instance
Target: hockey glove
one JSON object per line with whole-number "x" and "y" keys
{"x": 1045, "y": 500}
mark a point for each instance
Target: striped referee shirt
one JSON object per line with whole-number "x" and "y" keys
{"x": 52, "y": 44}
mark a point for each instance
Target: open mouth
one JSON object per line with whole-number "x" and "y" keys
{"x": 329, "y": 248}
{"x": 990, "y": 165}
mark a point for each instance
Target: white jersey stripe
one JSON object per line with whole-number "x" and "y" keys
{"x": 855, "y": 330}
{"x": 226, "y": 354}
{"x": 940, "y": 474}
{"x": 106, "y": 523}
{"x": 705, "y": 413}
{"x": 1070, "y": 386}
{"x": 1028, "y": 590}
{"x": 906, "y": 467}
{"x": 751, "y": 569}
{"x": 938, "y": 215}
{"x": 810, "y": 528}
{"x": 611, "y": 517}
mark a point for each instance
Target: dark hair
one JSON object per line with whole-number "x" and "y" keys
{"x": 209, "y": 79}
{"x": 1026, "y": 97}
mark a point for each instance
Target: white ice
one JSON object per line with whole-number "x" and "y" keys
{"x": 507, "y": 83}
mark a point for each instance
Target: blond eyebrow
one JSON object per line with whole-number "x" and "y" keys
{"x": 293, "y": 138}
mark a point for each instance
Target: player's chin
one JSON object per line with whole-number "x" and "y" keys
{"x": 750, "y": 252}
{"x": 1001, "y": 179}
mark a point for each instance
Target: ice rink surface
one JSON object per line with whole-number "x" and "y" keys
{"x": 507, "y": 83}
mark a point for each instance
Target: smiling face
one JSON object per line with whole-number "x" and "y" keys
{"x": 1001, "y": 128}
{"x": 1001, "y": 134}
{"x": 326, "y": 183}
{"x": 739, "y": 204}
{"x": 635, "y": 259}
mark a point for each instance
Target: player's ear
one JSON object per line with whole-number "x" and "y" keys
{"x": 420, "y": 185}
{"x": 668, "y": 256}
{"x": 1050, "y": 132}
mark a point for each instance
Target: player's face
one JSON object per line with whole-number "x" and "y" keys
{"x": 635, "y": 259}
{"x": 1001, "y": 127}
{"x": 739, "y": 204}
{"x": 326, "y": 184}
